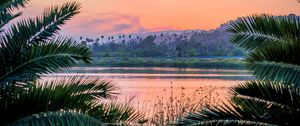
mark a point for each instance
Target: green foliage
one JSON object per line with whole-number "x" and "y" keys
{"x": 256, "y": 32}
{"x": 40, "y": 29}
{"x": 79, "y": 93}
{"x": 274, "y": 99}
{"x": 171, "y": 62}
{"x": 255, "y": 103}
{"x": 215, "y": 43}
{"x": 117, "y": 113}
{"x": 58, "y": 118}
{"x": 42, "y": 58}
{"x": 273, "y": 42}
{"x": 31, "y": 48}
{"x": 7, "y": 6}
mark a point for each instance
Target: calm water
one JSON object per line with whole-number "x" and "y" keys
{"x": 146, "y": 83}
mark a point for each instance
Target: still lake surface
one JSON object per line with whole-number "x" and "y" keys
{"x": 146, "y": 83}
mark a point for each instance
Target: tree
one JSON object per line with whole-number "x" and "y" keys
{"x": 31, "y": 48}
{"x": 274, "y": 98}
{"x": 179, "y": 51}
{"x": 84, "y": 43}
{"x": 148, "y": 48}
{"x": 102, "y": 37}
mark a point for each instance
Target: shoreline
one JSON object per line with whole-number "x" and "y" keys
{"x": 203, "y": 63}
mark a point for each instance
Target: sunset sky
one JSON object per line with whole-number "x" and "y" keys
{"x": 103, "y": 17}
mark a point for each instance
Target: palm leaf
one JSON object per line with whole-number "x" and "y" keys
{"x": 255, "y": 103}
{"x": 6, "y": 18}
{"x": 269, "y": 92}
{"x": 228, "y": 123}
{"x": 18, "y": 101}
{"x": 274, "y": 71}
{"x": 255, "y": 32}
{"x": 58, "y": 119}
{"x": 238, "y": 112}
{"x": 39, "y": 29}
{"x": 42, "y": 58}
{"x": 7, "y": 6}
{"x": 94, "y": 87}
{"x": 283, "y": 52}
{"x": 223, "y": 115}
{"x": 273, "y": 42}
{"x": 6, "y": 11}
{"x": 118, "y": 113}
{"x": 276, "y": 62}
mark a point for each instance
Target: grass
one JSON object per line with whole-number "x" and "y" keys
{"x": 217, "y": 63}
{"x": 166, "y": 110}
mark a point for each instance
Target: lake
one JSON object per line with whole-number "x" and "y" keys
{"x": 149, "y": 83}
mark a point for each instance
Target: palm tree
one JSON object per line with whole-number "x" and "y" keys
{"x": 274, "y": 98}
{"x": 102, "y": 37}
{"x": 32, "y": 48}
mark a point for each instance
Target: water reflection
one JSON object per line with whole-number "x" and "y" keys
{"x": 147, "y": 83}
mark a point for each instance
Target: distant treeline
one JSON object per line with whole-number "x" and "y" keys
{"x": 213, "y": 43}
{"x": 169, "y": 62}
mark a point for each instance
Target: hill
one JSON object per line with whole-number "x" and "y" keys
{"x": 185, "y": 43}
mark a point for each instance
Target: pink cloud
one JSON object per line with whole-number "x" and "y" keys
{"x": 105, "y": 23}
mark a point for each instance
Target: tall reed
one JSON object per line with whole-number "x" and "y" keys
{"x": 167, "y": 108}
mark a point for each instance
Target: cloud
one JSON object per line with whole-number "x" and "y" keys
{"x": 111, "y": 23}
{"x": 106, "y": 23}
{"x": 121, "y": 27}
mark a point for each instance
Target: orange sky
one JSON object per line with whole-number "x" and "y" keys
{"x": 100, "y": 17}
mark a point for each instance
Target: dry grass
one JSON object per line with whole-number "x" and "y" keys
{"x": 168, "y": 107}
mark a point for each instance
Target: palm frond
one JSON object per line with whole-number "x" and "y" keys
{"x": 94, "y": 87}
{"x": 227, "y": 114}
{"x": 40, "y": 29}
{"x": 270, "y": 93}
{"x": 7, "y": 6}
{"x": 254, "y": 103}
{"x": 118, "y": 113}
{"x": 6, "y": 18}
{"x": 273, "y": 42}
{"x": 269, "y": 102}
{"x": 255, "y": 32}
{"x": 283, "y": 52}
{"x": 227, "y": 123}
{"x": 41, "y": 59}
{"x": 18, "y": 101}
{"x": 58, "y": 119}
{"x": 241, "y": 112}
{"x": 274, "y": 71}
